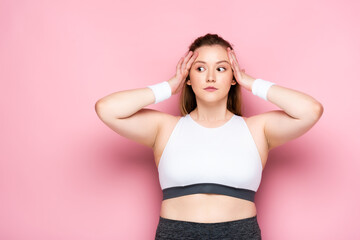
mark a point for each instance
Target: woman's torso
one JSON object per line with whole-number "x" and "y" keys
{"x": 204, "y": 207}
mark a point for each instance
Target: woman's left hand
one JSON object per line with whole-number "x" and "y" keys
{"x": 238, "y": 73}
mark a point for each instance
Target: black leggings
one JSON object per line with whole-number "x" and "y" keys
{"x": 170, "y": 229}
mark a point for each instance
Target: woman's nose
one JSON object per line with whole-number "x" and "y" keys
{"x": 210, "y": 77}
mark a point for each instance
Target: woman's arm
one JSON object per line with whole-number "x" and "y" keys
{"x": 300, "y": 111}
{"x": 124, "y": 111}
{"x": 295, "y": 103}
{"x": 125, "y": 114}
{"x": 123, "y": 104}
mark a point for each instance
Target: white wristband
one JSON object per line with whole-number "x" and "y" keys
{"x": 261, "y": 87}
{"x": 161, "y": 91}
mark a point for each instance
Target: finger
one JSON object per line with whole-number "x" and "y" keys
{"x": 235, "y": 61}
{"x": 178, "y": 67}
{"x": 236, "y": 66}
{"x": 184, "y": 62}
{"x": 235, "y": 56}
{"x": 192, "y": 59}
{"x": 188, "y": 55}
{"x": 231, "y": 58}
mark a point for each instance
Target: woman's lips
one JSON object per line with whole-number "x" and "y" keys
{"x": 210, "y": 89}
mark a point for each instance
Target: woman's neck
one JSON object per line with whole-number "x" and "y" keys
{"x": 219, "y": 114}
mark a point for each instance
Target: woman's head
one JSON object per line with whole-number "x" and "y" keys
{"x": 205, "y": 71}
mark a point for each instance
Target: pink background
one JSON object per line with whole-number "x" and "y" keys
{"x": 66, "y": 175}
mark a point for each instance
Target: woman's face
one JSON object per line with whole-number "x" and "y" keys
{"x": 211, "y": 68}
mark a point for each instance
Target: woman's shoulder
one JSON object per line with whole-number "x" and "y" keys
{"x": 168, "y": 119}
{"x": 255, "y": 121}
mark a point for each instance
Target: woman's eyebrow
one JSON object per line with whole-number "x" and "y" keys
{"x": 216, "y": 62}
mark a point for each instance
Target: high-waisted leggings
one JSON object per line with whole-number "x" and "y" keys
{"x": 170, "y": 229}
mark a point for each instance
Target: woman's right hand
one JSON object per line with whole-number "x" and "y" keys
{"x": 182, "y": 70}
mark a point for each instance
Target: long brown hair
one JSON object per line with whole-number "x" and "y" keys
{"x": 187, "y": 101}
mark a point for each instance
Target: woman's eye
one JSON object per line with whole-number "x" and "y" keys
{"x": 218, "y": 68}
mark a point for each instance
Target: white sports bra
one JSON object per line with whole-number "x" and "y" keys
{"x": 222, "y": 160}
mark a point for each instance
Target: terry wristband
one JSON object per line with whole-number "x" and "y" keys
{"x": 161, "y": 91}
{"x": 261, "y": 87}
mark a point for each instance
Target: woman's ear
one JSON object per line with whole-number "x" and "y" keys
{"x": 188, "y": 82}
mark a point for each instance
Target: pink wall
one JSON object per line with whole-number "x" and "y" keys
{"x": 65, "y": 175}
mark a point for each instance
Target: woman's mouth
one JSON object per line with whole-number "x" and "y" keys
{"x": 210, "y": 89}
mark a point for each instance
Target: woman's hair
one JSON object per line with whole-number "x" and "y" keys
{"x": 187, "y": 97}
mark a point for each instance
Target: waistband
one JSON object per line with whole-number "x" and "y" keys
{"x": 238, "y": 221}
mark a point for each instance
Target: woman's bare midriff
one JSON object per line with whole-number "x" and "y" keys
{"x": 206, "y": 207}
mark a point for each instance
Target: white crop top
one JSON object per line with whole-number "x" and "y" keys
{"x": 222, "y": 160}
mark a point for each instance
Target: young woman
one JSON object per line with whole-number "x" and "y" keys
{"x": 210, "y": 159}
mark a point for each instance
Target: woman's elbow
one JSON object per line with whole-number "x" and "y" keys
{"x": 101, "y": 109}
{"x": 317, "y": 111}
